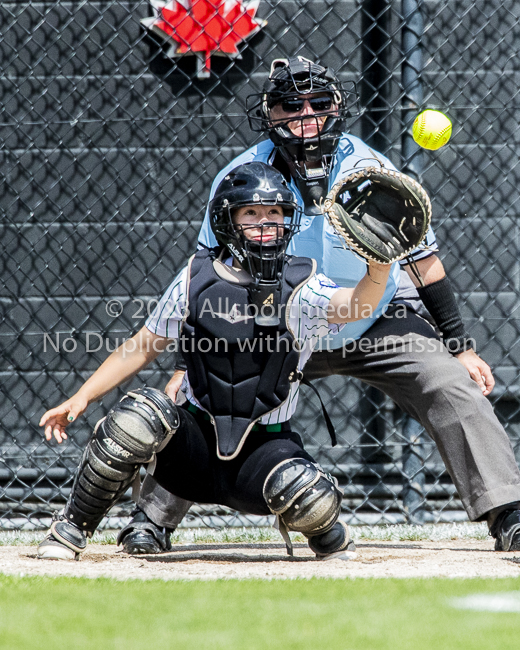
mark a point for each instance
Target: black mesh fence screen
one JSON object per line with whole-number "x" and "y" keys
{"x": 109, "y": 141}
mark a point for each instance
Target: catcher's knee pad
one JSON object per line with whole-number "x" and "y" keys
{"x": 133, "y": 431}
{"x": 303, "y": 496}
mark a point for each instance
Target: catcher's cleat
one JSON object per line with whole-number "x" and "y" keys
{"x": 141, "y": 536}
{"x": 65, "y": 541}
{"x": 506, "y": 531}
{"x": 334, "y": 545}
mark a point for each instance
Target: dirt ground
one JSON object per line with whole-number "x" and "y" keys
{"x": 375, "y": 559}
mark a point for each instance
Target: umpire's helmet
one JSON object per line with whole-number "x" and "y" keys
{"x": 290, "y": 79}
{"x": 254, "y": 183}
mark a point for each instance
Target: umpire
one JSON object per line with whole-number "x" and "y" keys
{"x": 440, "y": 381}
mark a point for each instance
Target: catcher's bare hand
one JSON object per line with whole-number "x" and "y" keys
{"x": 478, "y": 370}
{"x": 55, "y": 420}
{"x": 174, "y": 385}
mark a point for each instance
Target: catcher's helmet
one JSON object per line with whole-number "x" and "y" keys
{"x": 254, "y": 183}
{"x": 291, "y": 79}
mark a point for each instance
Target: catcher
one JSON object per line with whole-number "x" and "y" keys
{"x": 246, "y": 317}
{"x": 439, "y": 381}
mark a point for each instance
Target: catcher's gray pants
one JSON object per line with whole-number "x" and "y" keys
{"x": 404, "y": 358}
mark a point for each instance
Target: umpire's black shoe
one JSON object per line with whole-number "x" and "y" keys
{"x": 506, "y": 531}
{"x": 65, "y": 541}
{"x": 141, "y": 536}
{"x": 334, "y": 545}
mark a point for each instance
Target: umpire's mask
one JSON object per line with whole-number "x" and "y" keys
{"x": 281, "y": 111}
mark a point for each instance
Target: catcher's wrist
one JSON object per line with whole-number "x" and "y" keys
{"x": 439, "y": 299}
{"x": 377, "y": 272}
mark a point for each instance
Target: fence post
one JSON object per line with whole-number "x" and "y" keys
{"x": 375, "y": 94}
{"x": 414, "y": 477}
{"x": 376, "y": 77}
{"x": 413, "y": 472}
{"x": 411, "y": 71}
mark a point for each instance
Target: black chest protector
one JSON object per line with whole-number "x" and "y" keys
{"x": 239, "y": 371}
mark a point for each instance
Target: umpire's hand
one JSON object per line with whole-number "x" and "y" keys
{"x": 478, "y": 370}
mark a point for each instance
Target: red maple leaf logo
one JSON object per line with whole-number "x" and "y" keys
{"x": 206, "y": 26}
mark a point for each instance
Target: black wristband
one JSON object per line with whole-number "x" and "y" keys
{"x": 439, "y": 300}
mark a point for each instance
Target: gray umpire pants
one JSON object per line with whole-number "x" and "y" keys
{"x": 402, "y": 356}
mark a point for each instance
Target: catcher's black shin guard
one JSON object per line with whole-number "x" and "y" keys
{"x": 334, "y": 544}
{"x": 303, "y": 497}
{"x": 133, "y": 431}
{"x": 64, "y": 541}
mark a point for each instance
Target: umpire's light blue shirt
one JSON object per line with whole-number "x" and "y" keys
{"x": 317, "y": 238}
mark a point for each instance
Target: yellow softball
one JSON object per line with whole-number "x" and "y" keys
{"x": 431, "y": 129}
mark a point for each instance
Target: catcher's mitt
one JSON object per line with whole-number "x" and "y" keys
{"x": 384, "y": 216}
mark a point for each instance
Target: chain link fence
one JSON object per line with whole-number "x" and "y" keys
{"x": 109, "y": 141}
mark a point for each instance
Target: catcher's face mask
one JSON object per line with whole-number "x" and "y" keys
{"x": 303, "y": 108}
{"x": 254, "y": 215}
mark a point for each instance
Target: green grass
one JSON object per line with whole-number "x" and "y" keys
{"x": 241, "y": 535}
{"x": 46, "y": 613}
